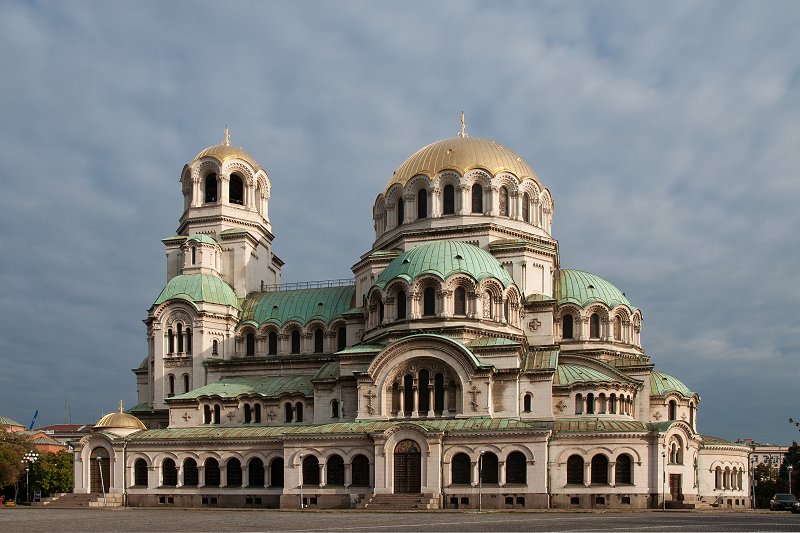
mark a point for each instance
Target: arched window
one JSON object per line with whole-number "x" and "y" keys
{"x": 169, "y": 473}
{"x": 380, "y": 312}
{"x": 673, "y": 410}
{"x": 310, "y": 470}
{"x": 186, "y": 383}
{"x": 188, "y": 340}
{"x": 503, "y": 202}
{"x": 477, "y": 199}
{"x": 299, "y": 409}
{"x": 460, "y": 301}
{"x": 600, "y": 469}
{"x": 401, "y": 305}
{"x": 718, "y": 478}
{"x": 236, "y": 190}
{"x": 334, "y": 408}
{"x": 408, "y": 394}
{"x": 288, "y": 412}
{"x": 567, "y": 327}
{"x": 422, "y": 203}
{"x": 516, "y": 468}
{"x": 295, "y": 341}
{"x": 257, "y": 413}
{"x": 194, "y": 254}
{"x": 602, "y": 403}
{"x": 248, "y": 414}
{"x": 579, "y": 404}
{"x": 590, "y": 404}
{"x": 212, "y": 472}
{"x": 489, "y": 468}
{"x": 170, "y": 341}
{"x": 140, "y": 473}
{"x": 360, "y": 472}
{"x": 575, "y": 470}
{"x": 255, "y": 472}
{"x": 424, "y": 397}
{"x": 276, "y": 472}
{"x": 612, "y": 404}
{"x": 526, "y": 207}
{"x": 341, "y": 338}
{"x": 617, "y": 328}
{"x": 429, "y": 302}
{"x": 691, "y": 415}
{"x": 438, "y": 393}
{"x": 272, "y": 343}
{"x": 318, "y": 340}
{"x": 401, "y": 212}
{"x": 448, "y": 200}
{"x": 180, "y": 338}
{"x": 526, "y": 402}
{"x": 461, "y": 469}
{"x": 190, "y": 473}
{"x": 214, "y": 347}
{"x": 210, "y": 184}
{"x": 250, "y": 341}
{"x": 623, "y": 473}
{"x": 334, "y": 467}
{"x": 171, "y": 386}
{"x": 234, "y": 472}
{"x": 216, "y": 414}
{"x": 594, "y": 326}
{"x": 206, "y": 414}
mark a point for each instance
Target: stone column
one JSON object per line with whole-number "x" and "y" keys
{"x": 587, "y": 473}
{"x": 415, "y": 407}
{"x": 201, "y": 475}
{"x": 502, "y": 474}
{"x": 179, "y": 469}
{"x": 612, "y": 473}
{"x": 245, "y": 475}
{"x": 223, "y": 474}
{"x": 402, "y": 412}
{"x": 430, "y": 401}
{"x": 475, "y": 473}
{"x": 322, "y": 469}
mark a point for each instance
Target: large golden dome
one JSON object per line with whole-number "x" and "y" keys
{"x": 462, "y": 154}
{"x": 119, "y": 420}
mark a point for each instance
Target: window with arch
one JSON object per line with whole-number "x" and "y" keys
{"x": 170, "y": 386}
{"x": 526, "y": 207}
{"x": 460, "y": 301}
{"x": 448, "y": 200}
{"x": 623, "y": 473}
{"x": 189, "y": 340}
{"x": 310, "y": 470}
{"x": 673, "y": 410}
{"x": 206, "y": 414}
{"x": 516, "y": 468}
{"x": 503, "y": 202}
{"x": 186, "y": 383}
{"x": 211, "y": 469}
{"x": 334, "y": 408}
{"x": 341, "y": 338}
{"x": 194, "y": 254}
{"x": 276, "y": 472}
{"x": 381, "y": 312}
{"x": 255, "y": 472}
{"x": 490, "y": 468}
{"x": 170, "y": 341}
{"x": 691, "y": 415}
{"x": 477, "y": 198}
{"x": 180, "y": 338}
{"x": 676, "y": 451}
{"x": 401, "y": 305}
{"x": 612, "y": 404}
{"x": 594, "y": 326}
{"x": 214, "y": 347}
{"x": 140, "y": 473}
{"x": 257, "y": 413}
{"x": 438, "y": 393}
{"x": 248, "y": 414}
{"x": 210, "y": 186}
{"x": 318, "y": 341}
{"x": 590, "y": 404}
{"x": 250, "y": 344}
{"x": 600, "y": 469}
{"x": 233, "y": 469}
{"x": 299, "y": 410}
{"x": 236, "y": 190}
{"x": 422, "y": 203}
{"x": 429, "y": 302}
{"x": 216, "y": 414}
{"x": 360, "y": 471}
{"x": 295, "y": 342}
{"x": 169, "y": 473}
{"x": 401, "y": 212}
{"x": 617, "y": 328}
{"x": 461, "y": 469}
{"x": 579, "y": 404}
{"x": 602, "y": 403}
{"x": 718, "y": 478}
{"x": 567, "y": 327}
{"x": 423, "y": 383}
{"x": 288, "y": 412}
{"x": 527, "y": 400}
{"x": 575, "y": 470}
{"x": 191, "y": 476}
{"x": 272, "y": 343}
{"x": 334, "y": 467}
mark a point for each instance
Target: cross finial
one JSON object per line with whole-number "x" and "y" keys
{"x": 463, "y": 132}
{"x": 227, "y": 136}
{"x": 120, "y": 406}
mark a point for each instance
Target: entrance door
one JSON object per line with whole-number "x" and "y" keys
{"x": 407, "y": 467}
{"x": 675, "y": 487}
{"x": 99, "y": 471}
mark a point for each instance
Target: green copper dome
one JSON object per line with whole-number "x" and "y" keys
{"x": 199, "y": 288}
{"x": 662, "y": 384}
{"x": 583, "y": 288}
{"x": 442, "y": 259}
{"x": 302, "y": 305}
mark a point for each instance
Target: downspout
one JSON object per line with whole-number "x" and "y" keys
{"x": 548, "y": 473}
{"x": 124, "y": 474}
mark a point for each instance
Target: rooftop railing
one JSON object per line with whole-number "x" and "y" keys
{"x": 346, "y": 282}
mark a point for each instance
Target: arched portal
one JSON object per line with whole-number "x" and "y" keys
{"x": 407, "y": 467}
{"x": 100, "y": 470}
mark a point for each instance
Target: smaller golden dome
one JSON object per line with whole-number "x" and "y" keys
{"x": 224, "y": 151}
{"x": 120, "y": 420}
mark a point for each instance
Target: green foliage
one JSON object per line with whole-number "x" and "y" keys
{"x": 13, "y": 447}
{"x": 792, "y": 458}
{"x": 52, "y": 473}
{"x": 767, "y": 484}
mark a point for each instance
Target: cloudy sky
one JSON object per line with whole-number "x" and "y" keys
{"x": 667, "y": 132}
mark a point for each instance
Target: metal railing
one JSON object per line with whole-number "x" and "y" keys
{"x": 345, "y": 282}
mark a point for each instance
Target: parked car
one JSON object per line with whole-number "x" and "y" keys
{"x": 784, "y": 502}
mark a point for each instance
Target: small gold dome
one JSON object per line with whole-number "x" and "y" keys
{"x": 120, "y": 420}
{"x": 462, "y": 154}
{"x": 221, "y": 152}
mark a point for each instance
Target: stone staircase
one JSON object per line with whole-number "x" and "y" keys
{"x": 71, "y": 501}
{"x": 400, "y": 502}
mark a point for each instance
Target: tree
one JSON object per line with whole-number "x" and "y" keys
{"x": 792, "y": 457}
{"x": 767, "y": 484}
{"x": 53, "y": 472}
{"x": 13, "y": 446}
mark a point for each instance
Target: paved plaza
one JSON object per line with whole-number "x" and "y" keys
{"x": 193, "y": 520}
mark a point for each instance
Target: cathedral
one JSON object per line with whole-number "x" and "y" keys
{"x": 460, "y": 367}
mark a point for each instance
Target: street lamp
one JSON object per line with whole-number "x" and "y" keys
{"x": 790, "y": 478}
{"x": 663, "y": 479}
{"x": 300, "y": 475}
{"x": 480, "y": 482}
{"x": 29, "y": 458}
{"x": 102, "y": 481}
{"x": 753, "y": 462}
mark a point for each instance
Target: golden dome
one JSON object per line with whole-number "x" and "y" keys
{"x": 462, "y": 154}
{"x": 224, "y": 151}
{"x": 120, "y": 420}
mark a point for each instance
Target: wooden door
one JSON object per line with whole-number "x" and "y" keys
{"x": 407, "y": 468}
{"x": 675, "y": 487}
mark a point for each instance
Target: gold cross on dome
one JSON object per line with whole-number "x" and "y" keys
{"x": 227, "y": 136}
{"x": 463, "y": 132}
{"x": 120, "y": 406}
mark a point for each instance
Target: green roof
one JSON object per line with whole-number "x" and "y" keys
{"x": 596, "y": 425}
{"x": 145, "y": 407}
{"x": 201, "y": 238}
{"x": 442, "y": 259}
{"x": 302, "y": 305}
{"x": 583, "y": 288}
{"x": 328, "y": 371}
{"x": 540, "y": 360}
{"x": 267, "y": 387}
{"x": 340, "y": 428}
{"x": 662, "y": 384}
{"x": 362, "y": 348}
{"x": 198, "y": 288}
{"x": 492, "y": 342}
{"x": 571, "y": 373}
{"x": 5, "y": 421}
